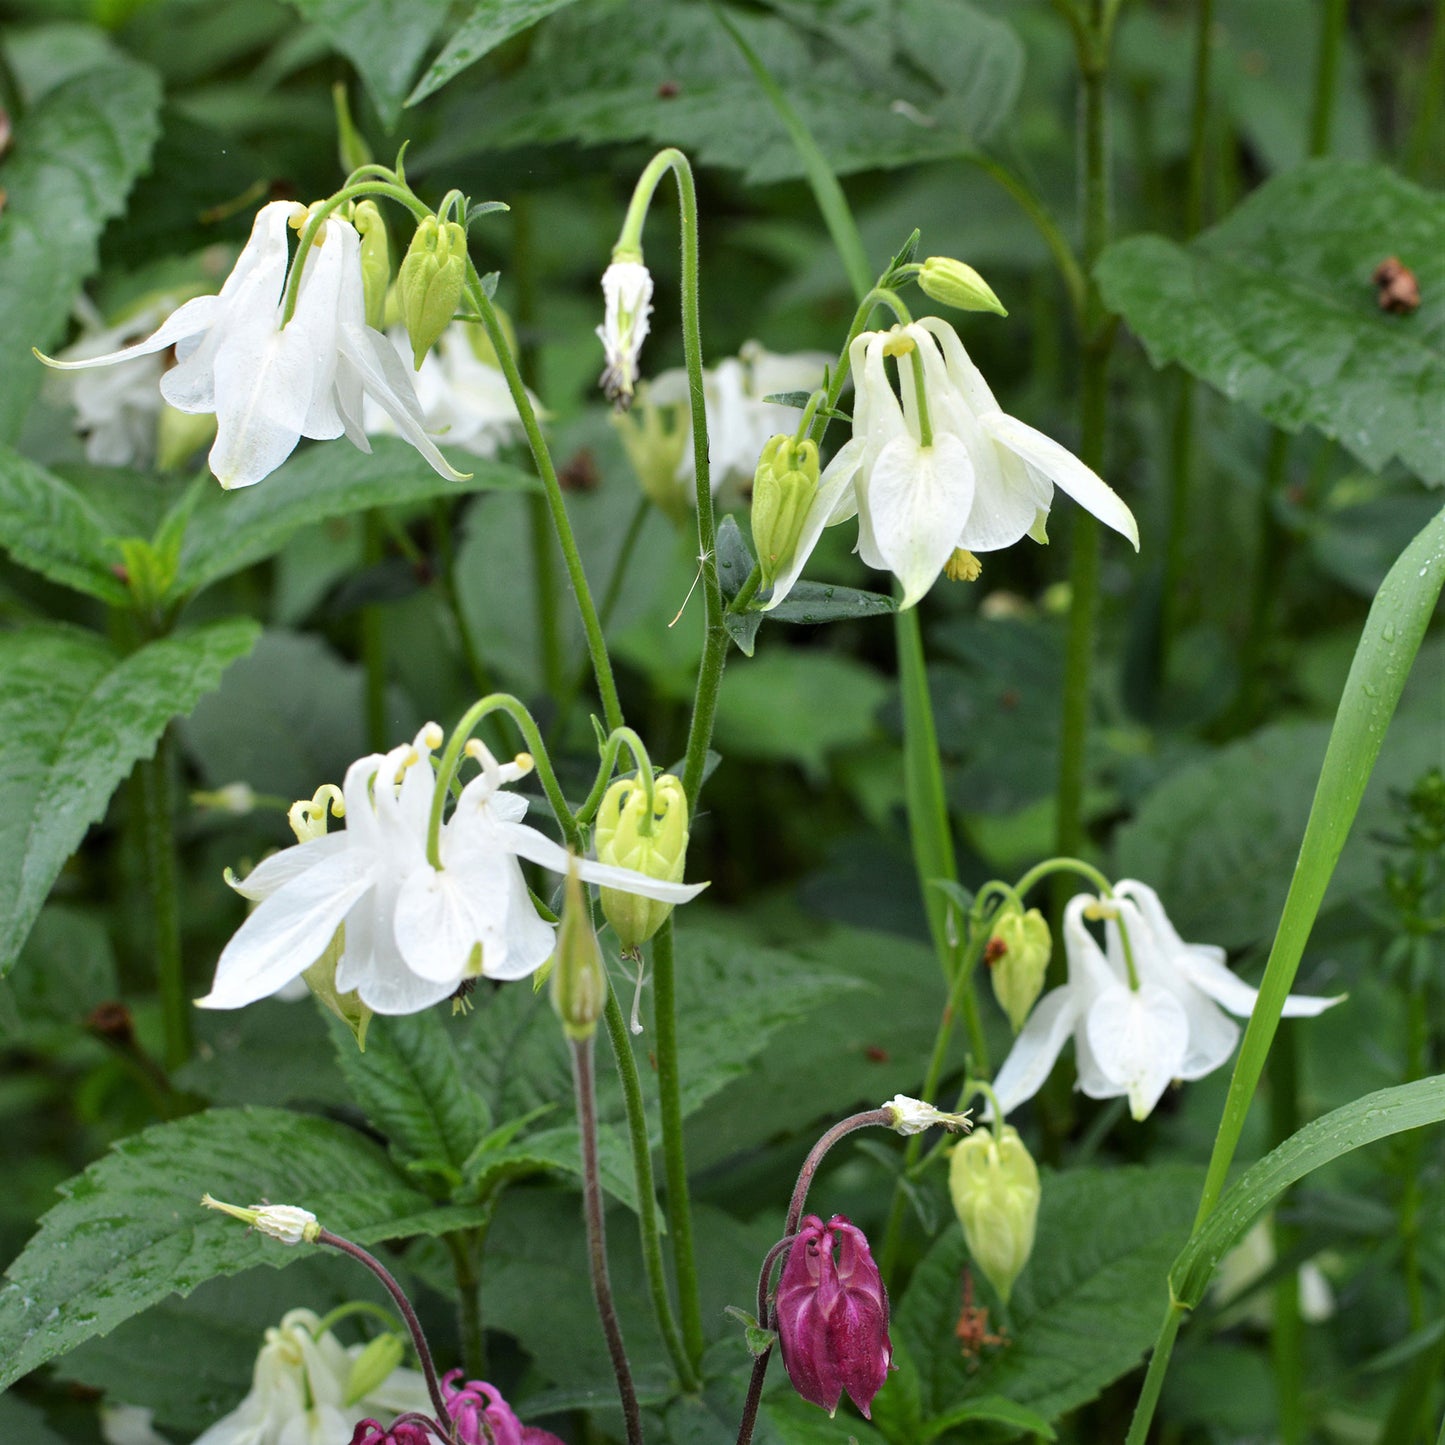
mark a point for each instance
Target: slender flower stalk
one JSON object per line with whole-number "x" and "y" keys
{"x": 157, "y": 824}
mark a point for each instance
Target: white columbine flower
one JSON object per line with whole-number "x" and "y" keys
{"x": 463, "y": 399}
{"x": 739, "y": 421}
{"x": 982, "y": 480}
{"x": 627, "y": 296}
{"x": 1132, "y": 1035}
{"x": 271, "y": 385}
{"x": 300, "y": 1391}
{"x": 412, "y": 933}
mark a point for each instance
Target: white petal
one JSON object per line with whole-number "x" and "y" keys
{"x": 537, "y": 848}
{"x": 372, "y": 964}
{"x": 1036, "y": 1048}
{"x": 188, "y": 320}
{"x": 963, "y": 375}
{"x": 1062, "y": 467}
{"x": 386, "y": 382}
{"x": 834, "y": 495}
{"x": 1207, "y": 972}
{"x": 1212, "y": 1033}
{"x": 529, "y": 938}
{"x": 289, "y": 931}
{"x": 442, "y": 916}
{"x": 273, "y": 873}
{"x": 917, "y": 499}
{"x": 1139, "y": 1039}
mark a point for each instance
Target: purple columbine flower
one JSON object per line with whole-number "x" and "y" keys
{"x": 833, "y": 1316}
{"x": 483, "y": 1417}
{"x": 405, "y": 1430}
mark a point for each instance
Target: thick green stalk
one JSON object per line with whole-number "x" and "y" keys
{"x": 646, "y": 1193}
{"x": 1286, "y": 1345}
{"x": 465, "y": 1248}
{"x": 157, "y": 826}
{"x": 1327, "y": 71}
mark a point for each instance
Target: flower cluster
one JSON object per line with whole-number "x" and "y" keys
{"x": 938, "y": 467}
{"x": 268, "y": 383}
{"x": 1144, "y": 1012}
{"x": 410, "y": 932}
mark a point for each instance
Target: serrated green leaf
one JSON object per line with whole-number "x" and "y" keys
{"x": 384, "y": 39}
{"x": 1276, "y": 307}
{"x": 943, "y": 78}
{"x": 130, "y": 1229}
{"x": 231, "y": 530}
{"x": 995, "y": 1410}
{"x": 74, "y": 718}
{"x": 410, "y": 1084}
{"x": 490, "y": 23}
{"x": 1085, "y": 1308}
{"x": 48, "y": 525}
{"x": 1376, "y": 1116}
{"x": 70, "y": 166}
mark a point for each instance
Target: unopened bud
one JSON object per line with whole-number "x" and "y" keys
{"x": 657, "y": 846}
{"x": 180, "y": 435}
{"x": 579, "y": 982}
{"x": 375, "y": 260}
{"x": 1018, "y": 956}
{"x": 654, "y": 437}
{"x": 995, "y": 1189}
{"x": 373, "y": 1366}
{"x": 429, "y": 284}
{"x": 286, "y": 1222}
{"x": 957, "y": 285}
{"x": 784, "y": 485}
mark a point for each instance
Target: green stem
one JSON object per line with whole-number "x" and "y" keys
{"x": 623, "y": 737}
{"x": 1417, "y": 1037}
{"x": 556, "y": 505}
{"x": 1423, "y": 129}
{"x": 597, "y": 1236}
{"x": 1154, "y": 1376}
{"x": 1286, "y": 1333}
{"x": 373, "y": 643}
{"x": 1327, "y": 69}
{"x": 545, "y": 588}
{"x": 158, "y": 840}
{"x": 669, "y": 1092}
{"x": 647, "y": 1224}
{"x": 464, "y": 1246}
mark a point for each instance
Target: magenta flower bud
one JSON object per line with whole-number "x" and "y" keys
{"x": 833, "y": 1316}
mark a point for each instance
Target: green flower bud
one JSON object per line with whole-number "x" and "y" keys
{"x": 375, "y": 260}
{"x": 1018, "y": 956}
{"x": 957, "y": 285}
{"x": 654, "y": 438}
{"x": 373, "y": 1366}
{"x": 429, "y": 284}
{"x": 579, "y": 982}
{"x": 784, "y": 486}
{"x": 657, "y": 847}
{"x": 995, "y": 1189}
{"x": 180, "y": 435}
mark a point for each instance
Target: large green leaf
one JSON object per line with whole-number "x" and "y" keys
{"x": 1084, "y": 1310}
{"x": 49, "y": 525}
{"x": 940, "y": 78}
{"x": 130, "y": 1230}
{"x": 1275, "y": 306}
{"x": 1376, "y": 1116}
{"x": 230, "y": 530}
{"x": 384, "y": 39}
{"x": 72, "y": 161}
{"x": 74, "y": 718}
{"x": 486, "y": 27}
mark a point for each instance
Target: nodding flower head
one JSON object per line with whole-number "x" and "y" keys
{"x": 833, "y": 1316}
{"x": 627, "y": 294}
{"x": 404, "y": 1430}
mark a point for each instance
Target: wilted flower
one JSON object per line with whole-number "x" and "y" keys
{"x": 980, "y": 481}
{"x": 286, "y": 1223}
{"x": 627, "y": 296}
{"x": 301, "y": 1391}
{"x": 411, "y": 932}
{"x": 832, "y": 1316}
{"x": 994, "y": 1183}
{"x": 475, "y": 1402}
{"x": 913, "y": 1116}
{"x": 1134, "y": 1028}
{"x": 271, "y": 385}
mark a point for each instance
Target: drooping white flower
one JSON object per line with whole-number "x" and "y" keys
{"x": 412, "y": 933}
{"x": 1132, "y": 1035}
{"x": 463, "y": 399}
{"x": 739, "y": 422}
{"x": 627, "y": 300}
{"x": 979, "y": 482}
{"x": 270, "y": 385}
{"x": 300, "y": 1391}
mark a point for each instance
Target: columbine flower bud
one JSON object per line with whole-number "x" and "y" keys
{"x": 1018, "y": 956}
{"x": 784, "y": 485}
{"x": 627, "y": 295}
{"x": 623, "y": 838}
{"x": 913, "y": 1116}
{"x": 287, "y": 1222}
{"x": 655, "y": 437}
{"x": 957, "y": 285}
{"x": 429, "y": 284}
{"x": 995, "y": 1189}
{"x": 579, "y": 982}
{"x": 373, "y": 1366}
{"x": 375, "y": 261}
{"x": 833, "y": 1316}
